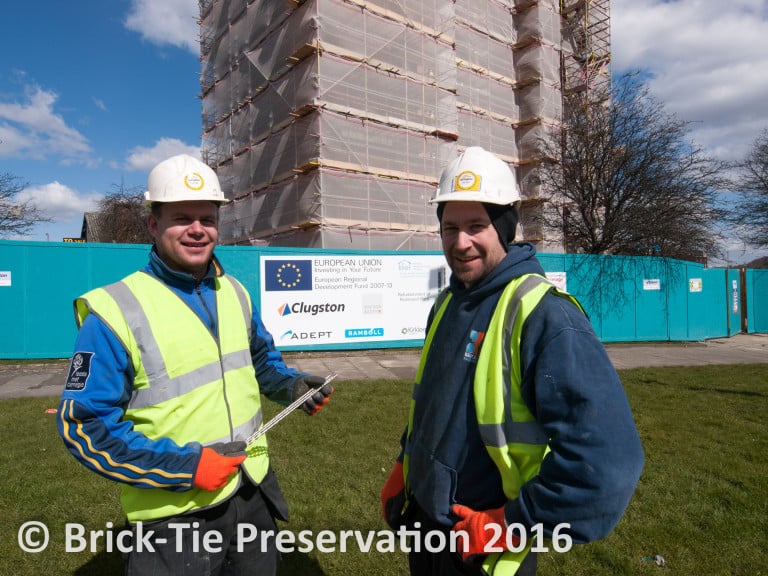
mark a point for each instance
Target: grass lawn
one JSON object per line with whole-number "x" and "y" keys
{"x": 702, "y": 501}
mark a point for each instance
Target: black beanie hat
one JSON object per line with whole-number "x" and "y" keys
{"x": 503, "y": 217}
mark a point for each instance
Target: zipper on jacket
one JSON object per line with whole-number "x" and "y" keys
{"x": 211, "y": 322}
{"x": 215, "y": 333}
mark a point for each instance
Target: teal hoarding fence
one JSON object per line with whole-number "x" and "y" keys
{"x": 757, "y": 300}
{"x": 636, "y": 299}
{"x": 628, "y": 299}
{"x": 43, "y": 278}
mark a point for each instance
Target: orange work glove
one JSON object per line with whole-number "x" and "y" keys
{"x": 483, "y": 527}
{"x": 393, "y": 487}
{"x": 217, "y": 463}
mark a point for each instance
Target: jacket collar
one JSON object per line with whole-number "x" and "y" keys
{"x": 162, "y": 271}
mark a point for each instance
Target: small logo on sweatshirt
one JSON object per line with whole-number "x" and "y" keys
{"x": 472, "y": 349}
{"x": 79, "y": 371}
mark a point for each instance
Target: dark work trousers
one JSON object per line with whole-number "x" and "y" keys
{"x": 447, "y": 562}
{"x": 233, "y": 545}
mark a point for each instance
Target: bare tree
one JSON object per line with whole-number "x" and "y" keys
{"x": 624, "y": 179}
{"x": 16, "y": 217}
{"x": 750, "y": 213}
{"x": 122, "y": 215}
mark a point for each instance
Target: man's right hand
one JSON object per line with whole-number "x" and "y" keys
{"x": 217, "y": 463}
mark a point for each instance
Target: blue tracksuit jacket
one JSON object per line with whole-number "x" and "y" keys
{"x": 91, "y": 419}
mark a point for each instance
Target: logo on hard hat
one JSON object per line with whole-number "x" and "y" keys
{"x": 194, "y": 181}
{"x": 467, "y": 181}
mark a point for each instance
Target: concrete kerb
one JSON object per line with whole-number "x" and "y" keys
{"x": 37, "y": 379}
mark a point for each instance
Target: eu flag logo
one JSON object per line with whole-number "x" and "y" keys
{"x": 285, "y": 275}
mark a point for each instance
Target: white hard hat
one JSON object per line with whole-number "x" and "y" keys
{"x": 181, "y": 178}
{"x": 477, "y": 176}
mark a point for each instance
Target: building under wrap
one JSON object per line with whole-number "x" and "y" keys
{"x": 329, "y": 121}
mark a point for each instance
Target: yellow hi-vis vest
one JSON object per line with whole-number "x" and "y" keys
{"x": 188, "y": 386}
{"x": 514, "y": 440}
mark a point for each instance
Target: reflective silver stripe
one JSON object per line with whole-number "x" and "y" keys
{"x": 243, "y": 298}
{"x": 511, "y": 431}
{"x": 444, "y": 293}
{"x": 243, "y": 431}
{"x": 138, "y": 324}
{"x": 163, "y": 387}
{"x": 247, "y": 428}
{"x": 499, "y": 435}
{"x": 236, "y": 360}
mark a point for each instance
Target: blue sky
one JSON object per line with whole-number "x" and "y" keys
{"x": 94, "y": 93}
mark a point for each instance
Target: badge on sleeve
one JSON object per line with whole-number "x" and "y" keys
{"x": 79, "y": 371}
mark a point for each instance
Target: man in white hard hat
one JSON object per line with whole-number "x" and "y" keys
{"x": 164, "y": 388}
{"x": 519, "y": 434}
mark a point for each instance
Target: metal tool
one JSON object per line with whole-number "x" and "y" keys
{"x": 288, "y": 409}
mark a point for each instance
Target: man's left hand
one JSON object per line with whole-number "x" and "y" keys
{"x": 484, "y": 528}
{"x": 315, "y": 402}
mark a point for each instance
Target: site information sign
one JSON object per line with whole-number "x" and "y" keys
{"x": 316, "y": 301}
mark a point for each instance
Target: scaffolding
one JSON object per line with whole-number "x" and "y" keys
{"x": 329, "y": 121}
{"x": 586, "y": 55}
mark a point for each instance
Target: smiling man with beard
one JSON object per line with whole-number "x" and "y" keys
{"x": 519, "y": 431}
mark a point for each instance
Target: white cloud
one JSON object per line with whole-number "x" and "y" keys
{"x": 708, "y": 62}
{"x": 33, "y": 129}
{"x": 12, "y": 141}
{"x": 58, "y": 201}
{"x": 171, "y": 22}
{"x": 144, "y": 159}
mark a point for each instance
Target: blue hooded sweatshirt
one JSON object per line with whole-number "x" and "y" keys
{"x": 568, "y": 383}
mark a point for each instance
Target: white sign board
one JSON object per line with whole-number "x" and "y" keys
{"x": 652, "y": 284}
{"x": 348, "y": 299}
{"x": 5, "y": 278}
{"x": 559, "y": 279}
{"x": 695, "y": 284}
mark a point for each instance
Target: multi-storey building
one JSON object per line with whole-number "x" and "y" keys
{"x": 329, "y": 121}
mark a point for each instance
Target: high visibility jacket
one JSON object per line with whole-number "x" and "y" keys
{"x": 190, "y": 385}
{"x": 514, "y": 440}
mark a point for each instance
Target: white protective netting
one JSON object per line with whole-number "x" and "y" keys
{"x": 329, "y": 121}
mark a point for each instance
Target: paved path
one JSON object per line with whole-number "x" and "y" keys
{"x": 24, "y": 380}
{"x": 739, "y": 349}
